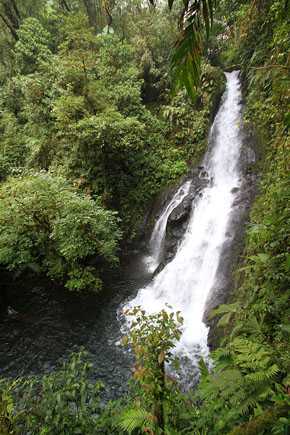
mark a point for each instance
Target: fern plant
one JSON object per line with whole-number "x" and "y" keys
{"x": 134, "y": 419}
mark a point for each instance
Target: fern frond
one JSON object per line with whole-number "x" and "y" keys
{"x": 260, "y": 376}
{"x": 256, "y": 377}
{"x": 223, "y": 355}
{"x": 136, "y": 418}
{"x": 203, "y": 367}
{"x": 225, "y": 320}
{"x": 225, "y": 309}
{"x": 195, "y": 22}
{"x": 249, "y": 404}
{"x": 250, "y": 326}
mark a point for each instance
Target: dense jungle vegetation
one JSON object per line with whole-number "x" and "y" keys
{"x": 94, "y": 123}
{"x": 89, "y": 132}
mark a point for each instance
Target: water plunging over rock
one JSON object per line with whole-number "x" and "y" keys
{"x": 205, "y": 211}
{"x": 156, "y": 242}
{"x": 179, "y": 218}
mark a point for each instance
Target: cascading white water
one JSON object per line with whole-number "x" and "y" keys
{"x": 158, "y": 233}
{"x": 186, "y": 282}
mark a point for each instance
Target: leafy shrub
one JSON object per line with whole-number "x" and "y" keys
{"x": 32, "y": 47}
{"x": 152, "y": 338}
{"x": 13, "y": 151}
{"x": 48, "y": 227}
{"x": 64, "y": 402}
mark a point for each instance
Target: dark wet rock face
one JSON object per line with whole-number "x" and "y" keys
{"x": 180, "y": 214}
{"x": 154, "y": 212}
{"x": 179, "y": 217}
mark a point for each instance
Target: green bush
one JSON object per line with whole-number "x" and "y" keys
{"x": 48, "y": 227}
{"x": 32, "y": 47}
{"x": 13, "y": 151}
{"x": 64, "y": 402}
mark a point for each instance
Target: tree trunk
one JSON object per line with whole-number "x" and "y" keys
{"x": 90, "y": 6}
{"x": 159, "y": 404}
{"x": 15, "y": 9}
{"x": 9, "y": 27}
{"x": 10, "y": 16}
{"x": 64, "y": 5}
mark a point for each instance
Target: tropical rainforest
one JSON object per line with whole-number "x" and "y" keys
{"x": 103, "y": 105}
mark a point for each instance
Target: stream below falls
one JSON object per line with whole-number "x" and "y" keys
{"x": 55, "y": 325}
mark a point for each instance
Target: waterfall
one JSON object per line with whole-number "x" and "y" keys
{"x": 186, "y": 282}
{"x": 159, "y": 231}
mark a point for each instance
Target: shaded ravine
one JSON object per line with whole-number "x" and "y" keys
{"x": 52, "y": 324}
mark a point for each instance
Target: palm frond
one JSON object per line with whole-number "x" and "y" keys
{"x": 195, "y": 22}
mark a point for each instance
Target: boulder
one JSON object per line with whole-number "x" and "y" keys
{"x": 181, "y": 213}
{"x": 178, "y": 219}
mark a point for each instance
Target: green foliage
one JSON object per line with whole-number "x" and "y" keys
{"x": 12, "y": 147}
{"x": 48, "y": 227}
{"x": 248, "y": 390}
{"x": 244, "y": 381}
{"x": 64, "y": 402}
{"x": 188, "y": 131}
{"x": 95, "y": 112}
{"x": 195, "y": 23}
{"x": 32, "y": 47}
{"x": 75, "y": 106}
{"x": 137, "y": 419}
{"x": 152, "y": 338}
{"x": 81, "y": 114}
{"x": 6, "y": 409}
